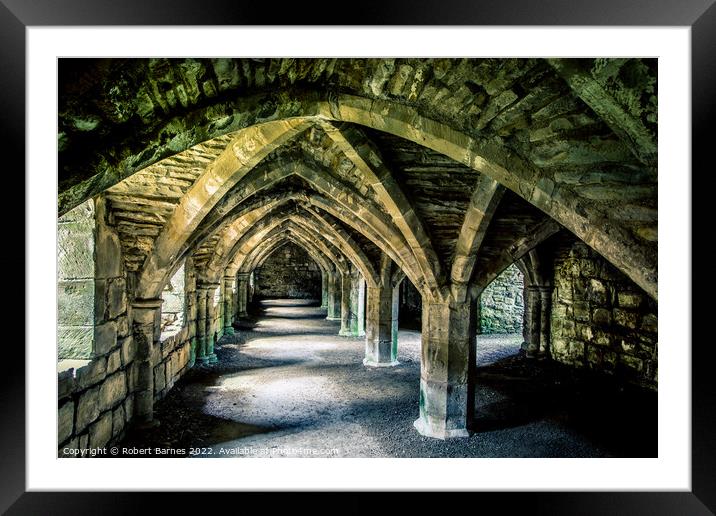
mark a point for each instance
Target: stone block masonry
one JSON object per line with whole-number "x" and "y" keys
{"x": 97, "y": 401}
{"x": 601, "y": 320}
{"x": 75, "y": 282}
{"x": 501, "y": 303}
{"x": 289, "y": 273}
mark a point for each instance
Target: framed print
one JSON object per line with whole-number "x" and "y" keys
{"x": 419, "y": 255}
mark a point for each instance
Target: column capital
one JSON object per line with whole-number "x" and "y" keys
{"x": 205, "y": 285}
{"x": 243, "y": 276}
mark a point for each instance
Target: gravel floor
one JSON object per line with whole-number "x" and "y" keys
{"x": 289, "y": 386}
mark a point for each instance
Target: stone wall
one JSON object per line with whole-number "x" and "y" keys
{"x": 601, "y": 320}
{"x": 176, "y": 347}
{"x": 288, "y": 273}
{"x": 96, "y": 402}
{"x": 501, "y": 303}
{"x": 75, "y": 282}
{"x": 175, "y": 356}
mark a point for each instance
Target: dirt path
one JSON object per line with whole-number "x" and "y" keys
{"x": 289, "y": 386}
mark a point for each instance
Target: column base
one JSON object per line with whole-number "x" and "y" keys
{"x": 439, "y": 431}
{"x": 370, "y": 363}
{"x": 229, "y": 330}
{"x": 208, "y": 359}
{"x": 347, "y": 333}
{"x": 333, "y": 318}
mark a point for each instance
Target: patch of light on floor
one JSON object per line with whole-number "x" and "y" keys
{"x": 283, "y": 342}
{"x": 278, "y": 388}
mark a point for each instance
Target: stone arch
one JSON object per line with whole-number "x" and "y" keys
{"x": 247, "y": 242}
{"x": 265, "y": 248}
{"x": 349, "y": 206}
{"x": 487, "y": 157}
{"x": 310, "y": 242}
{"x": 263, "y": 253}
{"x": 249, "y": 147}
{"x": 345, "y": 205}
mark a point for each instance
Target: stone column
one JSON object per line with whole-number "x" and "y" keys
{"x": 531, "y": 329}
{"x": 395, "y": 317}
{"x": 447, "y": 365}
{"x": 242, "y": 280}
{"x": 200, "y": 323}
{"x": 360, "y": 307}
{"x": 545, "y": 292}
{"x": 334, "y": 299}
{"x": 250, "y": 288}
{"x": 380, "y": 348}
{"x": 345, "y": 330}
{"x": 353, "y": 307}
{"x": 228, "y": 305}
{"x": 324, "y": 290}
{"x": 191, "y": 325}
{"x": 210, "y": 290}
{"x": 146, "y": 328}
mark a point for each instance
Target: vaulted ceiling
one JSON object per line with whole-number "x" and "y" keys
{"x": 449, "y": 167}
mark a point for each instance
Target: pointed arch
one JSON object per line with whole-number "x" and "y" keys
{"x": 484, "y": 155}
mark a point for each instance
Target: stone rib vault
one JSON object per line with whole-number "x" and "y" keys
{"x": 443, "y": 172}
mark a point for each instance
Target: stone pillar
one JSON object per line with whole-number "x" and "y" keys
{"x": 345, "y": 330}
{"x": 395, "y": 317}
{"x": 210, "y": 290}
{"x": 324, "y": 290}
{"x": 334, "y": 299}
{"x": 380, "y": 348}
{"x": 146, "y": 328}
{"x": 447, "y": 365}
{"x": 242, "y": 280}
{"x": 228, "y": 305}
{"x": 545, "y": 292}
{"x": 353, "y": 306}
{"x": 251, "y": 288}
{"x": 200, "y": 323}
{"x": 531, "y": 329}
{"x": 360, "y": 307}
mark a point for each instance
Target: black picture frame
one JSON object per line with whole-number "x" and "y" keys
{"x": 700, "y": 15}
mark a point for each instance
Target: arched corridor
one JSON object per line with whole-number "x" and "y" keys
{"x": 299, "y": 251}
{"x": 288, "y": 386}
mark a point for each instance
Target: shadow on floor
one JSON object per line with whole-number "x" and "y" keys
{"x": 620, "y": 418}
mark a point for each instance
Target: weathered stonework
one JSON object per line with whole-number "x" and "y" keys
{"x": 601, "y": 320}
{"x": 312, "y": 178}
{"x": 76, "y": 284}
{"x": 501, "y": 303}
{"x": 97, "y": 400}
{"x": 289, "y": 273}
